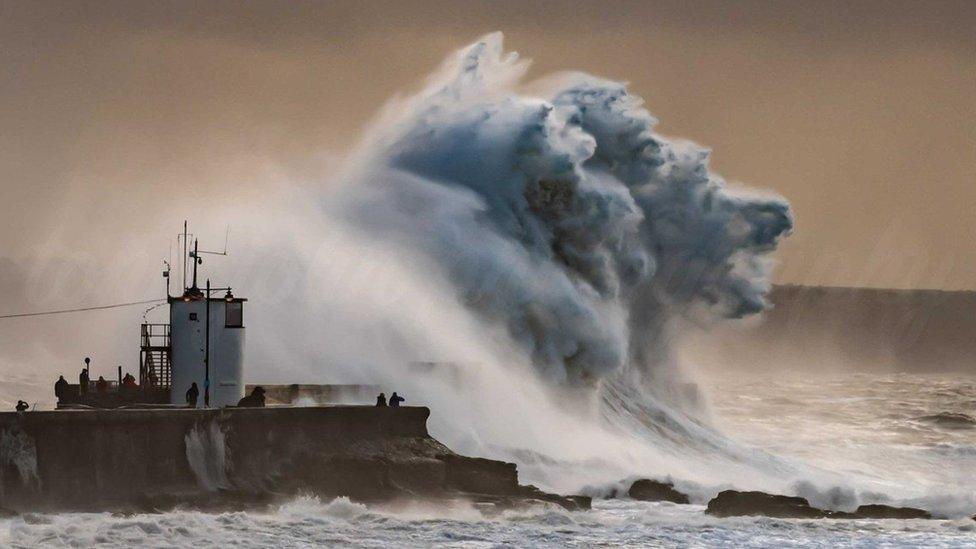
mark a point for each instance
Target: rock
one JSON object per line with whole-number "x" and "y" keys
{"x": 732, "y": 503}
{"x": 888, "y": 512}
{"x": 842, "y": 515}
{"x": 585, "y": 503}
{"x": 570, "y": 503}
{"x": 652, "y": 490}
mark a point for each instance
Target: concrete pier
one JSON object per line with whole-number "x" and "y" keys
{"x": 145, "y": 459}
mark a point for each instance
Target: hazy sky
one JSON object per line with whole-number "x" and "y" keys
{"x": 862, "y": 114}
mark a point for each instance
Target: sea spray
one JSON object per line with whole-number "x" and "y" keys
{"x": 565, "y": 218}
{"x": 17, "y": 451}
{"x": 549, "y": 244}
{"x": 206, "y": 452}
{"x": 550, "y": 247}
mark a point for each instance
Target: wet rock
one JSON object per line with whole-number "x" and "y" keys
{"x": 570, "y": 503}
{"x": 888, "y": 512}
{"x": 732, "y": 503}
{"x": 652, "y": 490}
{"x": 526, "y": 498}
{"x": 585, "y": 503}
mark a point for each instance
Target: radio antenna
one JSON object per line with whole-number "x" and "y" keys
{"x": 183, "y": 261}
{"x": 226, "y": 236}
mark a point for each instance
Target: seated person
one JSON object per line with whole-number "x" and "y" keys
{"x": 129, "y": 382}
{"x": 253, "y": 400}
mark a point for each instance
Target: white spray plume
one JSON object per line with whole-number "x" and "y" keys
{"x": 565, "y": 219}
{"x": 542, "y": 244}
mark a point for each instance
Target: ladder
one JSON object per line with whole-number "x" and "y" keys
{"x": 155, "y": 356}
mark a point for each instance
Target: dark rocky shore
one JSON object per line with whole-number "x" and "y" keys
{"x": 145, "y": 460}
{"x": 733, "y": 503}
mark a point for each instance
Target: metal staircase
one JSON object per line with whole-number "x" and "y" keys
{"x": 155, "y": 359}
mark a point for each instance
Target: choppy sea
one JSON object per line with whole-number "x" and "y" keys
{"x": 915, "y": 429}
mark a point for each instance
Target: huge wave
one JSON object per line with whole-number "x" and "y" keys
{"x": 537, "y": 247}
{"x": 565, "y": 217}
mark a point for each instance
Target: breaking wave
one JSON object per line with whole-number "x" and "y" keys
{"x": 565, "y": 218}
{"x": 543, "y": 247}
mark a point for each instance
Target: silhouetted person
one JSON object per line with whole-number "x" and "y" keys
{"x": 101, "y": 385}
{"x": 61, "y": 387}
{"x": 253, "y": 400}
{"x": 22, "y": 406}
{"x": 83, "y": 381}
{"x": 381, "y": 400}
{"x": 129, "y": 382}
{"x": 395, "y": 400}
{"x": 192, "y": 394}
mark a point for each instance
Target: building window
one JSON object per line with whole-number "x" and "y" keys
{"x": 234, "y": 314}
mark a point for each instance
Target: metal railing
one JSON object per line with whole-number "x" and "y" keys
{"x": 155, "y": 364}
{"x": 155, "y": 335}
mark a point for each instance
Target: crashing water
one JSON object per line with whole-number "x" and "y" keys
{"x": 206, "y": 452}
{"x": 564, "y": 241}
{"x": 307, "y": 522}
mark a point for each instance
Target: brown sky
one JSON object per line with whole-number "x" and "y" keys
{"x": 863, "y": 114}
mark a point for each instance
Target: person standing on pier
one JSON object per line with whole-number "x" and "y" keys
{"x": 61, "y": 388}
{"x": 395, "y": 400}
{"x": 192, "y": 394}
{"x": 83, "y": 381}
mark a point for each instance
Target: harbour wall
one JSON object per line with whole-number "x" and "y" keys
{"x": 150, "y": 458}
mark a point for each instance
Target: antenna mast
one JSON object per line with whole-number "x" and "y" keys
{"x": 196, "y": 261}
{"x": 184, "y": 254}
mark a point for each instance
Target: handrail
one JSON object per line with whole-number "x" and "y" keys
{"x": 154, "y": 354}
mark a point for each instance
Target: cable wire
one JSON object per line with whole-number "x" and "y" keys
{"x": 98, "y": 308}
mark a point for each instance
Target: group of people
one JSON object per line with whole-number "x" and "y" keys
{"x": 62, "y": 387}
{"x": 395, "y": 400}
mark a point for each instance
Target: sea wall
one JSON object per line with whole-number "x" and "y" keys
{"x": 317, "y": 393}
{"x": 148, "y": 459}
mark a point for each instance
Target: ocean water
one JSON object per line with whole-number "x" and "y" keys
{"x": 308, "y": 522}
{"x": 915, "y": 430}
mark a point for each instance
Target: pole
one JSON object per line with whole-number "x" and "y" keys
{"x": 196, "y": 261}
{"x": 206, "y": 354}
{"x": 185, "y": 244}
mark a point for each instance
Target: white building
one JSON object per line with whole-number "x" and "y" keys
{"x": 217, "y": 369}
{"x": 202, "y": 344}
